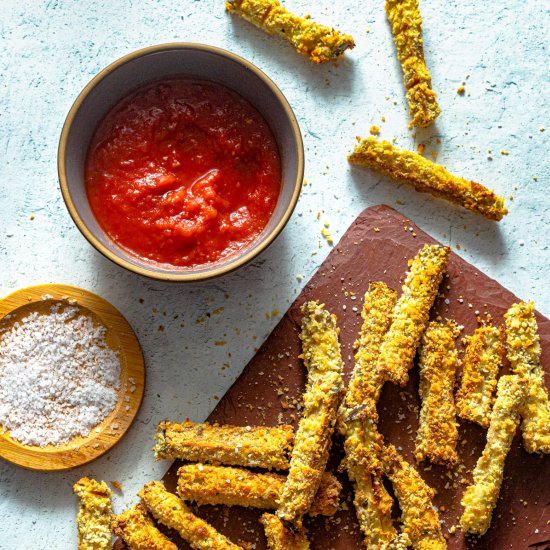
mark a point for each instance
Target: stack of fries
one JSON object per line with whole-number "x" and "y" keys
{"x": 222, "y": 462}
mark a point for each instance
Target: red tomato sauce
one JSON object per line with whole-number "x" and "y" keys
{"x": 183, "y": 172}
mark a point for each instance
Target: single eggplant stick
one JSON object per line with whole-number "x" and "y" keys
{"x": 94, "y": 513}
{"x": 169, "y": 510}
{"x": 323, "y": 360}
{"x": 427, "y": 177}
{"x": 420, "y": 519}
{"x": 228, "y": 486}
{"x": 411, "y": 313}
{"x": 250, "y": 446}
{"x": 366, "y": 380}
{"x": 136, "y": 528}
{"x": 524, "y": 354}
{"x": 437, "y": 428}
{"x": 318, "y": 43}
{"x": 406, "y": 25}
{"x": 358, "y": 418}
{"x": 480, "y": 498}
{"x": 373, "y": 506}
{"x": 482, "y": 361}
{"x": 281, "y": 538}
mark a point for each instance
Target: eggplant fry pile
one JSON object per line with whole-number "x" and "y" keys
{"x": 233, "y": 465}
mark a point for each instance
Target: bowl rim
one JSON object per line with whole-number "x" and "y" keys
{"x": 190, "y": 275}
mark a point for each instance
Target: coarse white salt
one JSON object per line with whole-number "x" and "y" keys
{"x": 58, "y": 376}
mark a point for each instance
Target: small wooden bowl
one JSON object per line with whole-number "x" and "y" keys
{"x": 121, "y": 338}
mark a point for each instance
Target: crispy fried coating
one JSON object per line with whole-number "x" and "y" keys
{"x": 480, "y": 498}
{"x": 406, "y": 25}
{"x": 318, "y": 43}
{"x": 93, "y": 519}
{"x": 427, "y": 177}
{"x": 482, "y": 361}
{"x": 366, "y": 381}
{"x": 252, "y": 446}
{"x": 524, "y": 353}
{"x": 323, "y": 360}
{"x": 136, "y": 528}
{"x": 357, "y": 422}
{"x": 169, "y": 510}
{"x": 437, "y": 428}
{"x": 373, "y": 506}
{"x": 420, "y": 519}
{"x": 206, "y": 484}
{"x": 281, "y": 538}
{"x": 411, "y": 313}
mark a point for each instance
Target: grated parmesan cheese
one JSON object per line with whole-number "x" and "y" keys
{"x": 58, "y": 377}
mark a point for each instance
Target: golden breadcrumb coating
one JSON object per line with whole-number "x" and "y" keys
{"x": 366, "y": 380}
{"x": 323, "y": 360}
{"x": 437, "y": 428}
{"x": 205, "y": 484}
{"x": 318, "y": 43}
{"x": 373, "y": 506}
{"x": 281, "y": 538}
{"x": 480, "y": 498}
{"x": 136, "y": 528}
{"x": 94, "y": 513}
{"x": 357, "y": 420}
{"x": 524, "y": 353}
{"x": 411, "y": 313}
{"x": 252, "y": 446}
{"x": 420, "y": 518}
{"x": 482, "y": 361}
{"x": 427, "y": 177}
{"x": 169, "y": 510}
{"x": 406, "y": 25}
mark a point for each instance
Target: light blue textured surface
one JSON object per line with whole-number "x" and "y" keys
{"x": 51, "y": 49}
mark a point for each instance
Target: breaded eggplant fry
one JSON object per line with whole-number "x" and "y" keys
{"x": 524, "y": 354}
{"x": 169, "y": 510}
{"x": 318, "y": 43}
{"x": 406, "y": 25}
{"x": 358, "y": 418}
{"x": 281, "y": 538}
{"x": 437, "y": 428}
{"x": 205, "y": 484}
{"x": 366, "y": 381}
{"x": 411, "y": 313}
{"x": 323, "y": 360}
{"x": 94, "y": 514}
{"x": 480, "y": 498}
{"x": 373, "y": 506}
{"x": 420, "y": 518}
{"x": 136, "y": 528}
{"x": 482, "y": 361}
{"x": 427, "y": 177}
{"x": 251, "y": 446}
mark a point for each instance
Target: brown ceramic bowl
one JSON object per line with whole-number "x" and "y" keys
{"x": 120, "y": 78}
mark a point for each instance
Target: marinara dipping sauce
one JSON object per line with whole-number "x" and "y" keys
{"x": 183, "y": 172}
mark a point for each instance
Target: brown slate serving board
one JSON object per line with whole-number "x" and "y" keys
{"x": 377, "y": 247}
